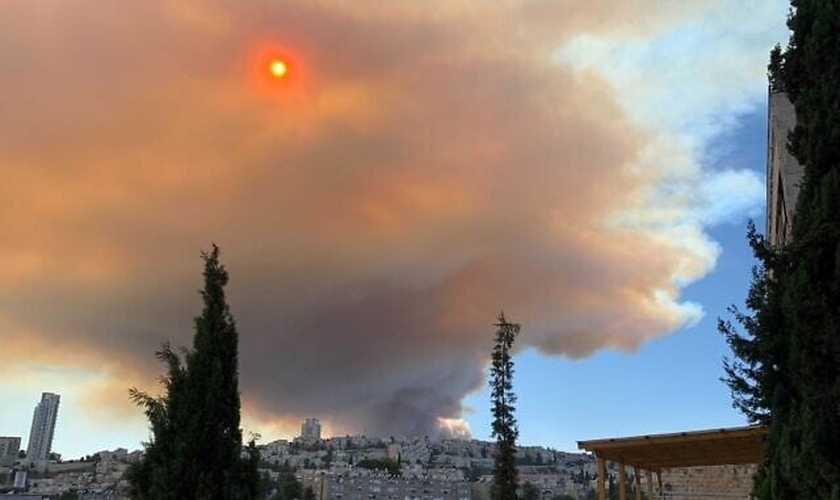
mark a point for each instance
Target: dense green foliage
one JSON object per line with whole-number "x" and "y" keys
{"x": 505, "y": 479}
{"x": 756, "y": 373}
{"x": 787, "y": 367}
{"x": 196, "y": 448}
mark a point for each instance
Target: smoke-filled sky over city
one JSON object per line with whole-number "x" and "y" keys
{"x": 418, "y": 167}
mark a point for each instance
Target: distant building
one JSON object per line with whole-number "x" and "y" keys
{"x": 9, "y": 450}
{"x": 784, "y": 173}
{"x": 393, "y": 451}
{"x": 363, "y": 484}
{"x": 43, "y": 427}
{"x": 20, "y": 479}
{"x": 310, "y": 430}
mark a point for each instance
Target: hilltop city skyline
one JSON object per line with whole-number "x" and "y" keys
{"x": 343, "y": 466}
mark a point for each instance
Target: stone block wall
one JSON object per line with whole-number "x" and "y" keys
{"x": 724, "y": 482}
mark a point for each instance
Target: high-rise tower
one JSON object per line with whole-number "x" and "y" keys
{"x": 310, "y": 430}
{"x": 43, "y": 427}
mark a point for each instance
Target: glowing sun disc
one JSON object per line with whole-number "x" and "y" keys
{"x": 278, "y": 68}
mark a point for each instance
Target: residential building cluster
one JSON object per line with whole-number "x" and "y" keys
{"x": 41, "y": 473}
{"x": 353, "y": 467}
{"x": 100, "y": 476}
{"x": 363, "y": 484}
{"x": 336, "y": 468}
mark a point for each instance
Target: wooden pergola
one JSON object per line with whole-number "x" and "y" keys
{"x": 651, "y": 454}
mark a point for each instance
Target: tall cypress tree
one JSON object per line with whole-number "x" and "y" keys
{"x": 505, "y": 479}
{"x": 196, "y": 446}
{"x": 788, "y": 362}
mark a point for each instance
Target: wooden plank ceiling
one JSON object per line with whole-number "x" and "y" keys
{"x": 738, "y": 445}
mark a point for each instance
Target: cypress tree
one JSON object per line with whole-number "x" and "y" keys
{"x": 787, "y": 370}
{"x": 505, "y": 479}
{"x": 196, "y": 447}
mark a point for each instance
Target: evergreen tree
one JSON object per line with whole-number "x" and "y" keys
{"x": 505, "y": 480}
{"x": 757, "y": 371}
{"x": 787, "y": 371}
{"x": 196, "y": 447}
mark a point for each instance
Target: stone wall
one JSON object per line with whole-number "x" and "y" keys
{"x": 724, "y": 482}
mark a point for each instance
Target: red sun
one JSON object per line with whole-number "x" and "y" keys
{"x": 278, "y": 68}
{"x": 278, "y": 72}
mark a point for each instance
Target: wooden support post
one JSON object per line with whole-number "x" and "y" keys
{"x": 622, "y": 480}
{"x": 659, "y": 481}
{"x": 650, "y": 485}
{"x": 637, "y": 481}
{"x": 602, "y": 479}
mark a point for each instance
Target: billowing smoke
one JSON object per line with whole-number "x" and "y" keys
{"x": 424, "y": 169}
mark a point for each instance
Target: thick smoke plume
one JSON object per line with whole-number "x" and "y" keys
{"x": 422, "y": 169}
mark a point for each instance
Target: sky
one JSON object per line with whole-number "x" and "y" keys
{"x": 588, "y": 167}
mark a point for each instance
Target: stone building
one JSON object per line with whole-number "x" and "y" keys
{"x": 9, "y": 450}
{"x": 784, "y": 173}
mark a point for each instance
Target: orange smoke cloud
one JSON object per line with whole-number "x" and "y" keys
{"x": 414, "y": 172}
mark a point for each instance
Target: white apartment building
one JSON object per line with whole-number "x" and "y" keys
{"x": 43, "y": 427}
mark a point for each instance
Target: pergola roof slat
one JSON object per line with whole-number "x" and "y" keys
{"x": 737, "y": 445}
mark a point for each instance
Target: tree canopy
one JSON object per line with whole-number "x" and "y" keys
{"x": 196, "y": 447}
